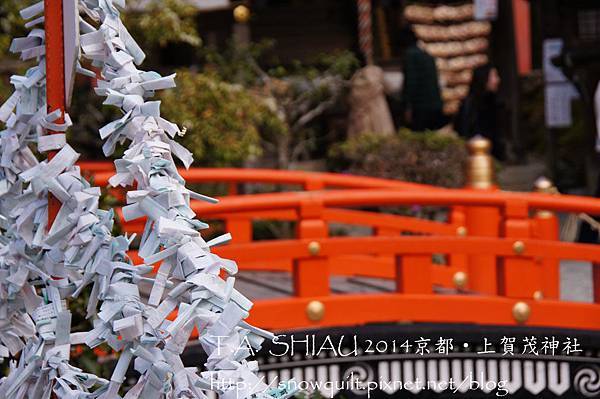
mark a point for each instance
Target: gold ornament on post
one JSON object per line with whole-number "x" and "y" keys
{"x": 480, "y": 170}
{"x": 241, "y": 14}
{"x": 519, "y": 247}
{"x": 521, "y": 312}
{"x": 314, "y": 248}
{"x": 315, "y": 310}
{"x": 460, "y": 280}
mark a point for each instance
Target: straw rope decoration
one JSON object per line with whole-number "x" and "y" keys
{"x": 41, "y": 270}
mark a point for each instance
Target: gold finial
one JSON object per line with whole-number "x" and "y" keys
{"x": 460, "y": 280}
{"x": 521, "y": 312}
{"x": 241, "y": 14}
{"x": 315, "y": 310}
{"x": 545, "y": 186}
{"x": 461, "y": 231}
{"x": 480, "y": 172}
{"x": 479, "y": 145}
{"x": 519, "y": 247}
{"x": 538, "y": 295}
{"x": 314, "y": 248}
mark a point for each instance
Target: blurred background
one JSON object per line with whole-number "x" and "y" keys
{"x": 281, "y": 83}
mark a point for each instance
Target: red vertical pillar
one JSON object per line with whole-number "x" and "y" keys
{"x": 414, "y": 274}
{"x": 522, "y": 23}
{"x": 458, "y": 262}
{"x": 481, "y": 221}
{"x": 546, "y": 227}
{"x": 55, "y": 77}
{"x": 311, "y": 275}
{"x": 519, "y": 276}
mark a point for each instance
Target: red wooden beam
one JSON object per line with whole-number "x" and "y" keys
{"x": 55, "y": 77}
{"x": 359, "y": 309}
{"x": 522, "y": 24}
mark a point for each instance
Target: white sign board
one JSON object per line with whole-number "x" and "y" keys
{"x": 553, "y": 48}
{"x": 557, "y": 104}
{"x": 485, "y": 10}
{"x": 559, "y": 92}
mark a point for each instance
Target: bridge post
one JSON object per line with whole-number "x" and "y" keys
{"x": 311, "y": 274}
{"x": 414, "y": 274}
{"x": 314, "y": 184}
{"x": 545, "y": 227}
{"x": 232, "y": 188}
{"x": 240, "y": 228}
{"x": 596, "y": 281}
{"x": 458, "y": 263}
{"x": 519, "y": 276}
{"x": 481, "y": 221}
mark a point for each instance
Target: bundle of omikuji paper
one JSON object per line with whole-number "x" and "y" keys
{"x": 42, "y": 266}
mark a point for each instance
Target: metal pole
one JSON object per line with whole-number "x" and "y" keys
{"x": 55, "y": 77}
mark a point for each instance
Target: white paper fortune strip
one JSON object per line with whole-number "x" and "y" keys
{"x": 42, "y": 268}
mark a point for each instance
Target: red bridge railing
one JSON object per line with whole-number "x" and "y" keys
{"x": 501, "y": 250}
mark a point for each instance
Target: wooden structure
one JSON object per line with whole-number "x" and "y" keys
{"x": 500, "y": 279}
{"x": 501, "y": 250}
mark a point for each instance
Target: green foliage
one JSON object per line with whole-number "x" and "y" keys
{"x": 236, "y": 64}
{"x": 160, "y": 22}
{"x": 223, "y": 121}
{"x": 342, "y": 63}
{"x": 11, "y": 26}
{"x": 252, "y": 64}
{"x": 299, "y": 94}
{"x": 424, "y": 157}
{"x": 11, "y": 23}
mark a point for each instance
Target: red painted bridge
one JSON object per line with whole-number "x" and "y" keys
{"x": 488, "y": 257}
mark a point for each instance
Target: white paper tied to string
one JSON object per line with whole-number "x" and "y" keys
{"x": 41, "y": 268}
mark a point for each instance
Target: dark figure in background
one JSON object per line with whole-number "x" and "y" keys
{"x": 478, "y": 111}
{"x": 421, "y": 93}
